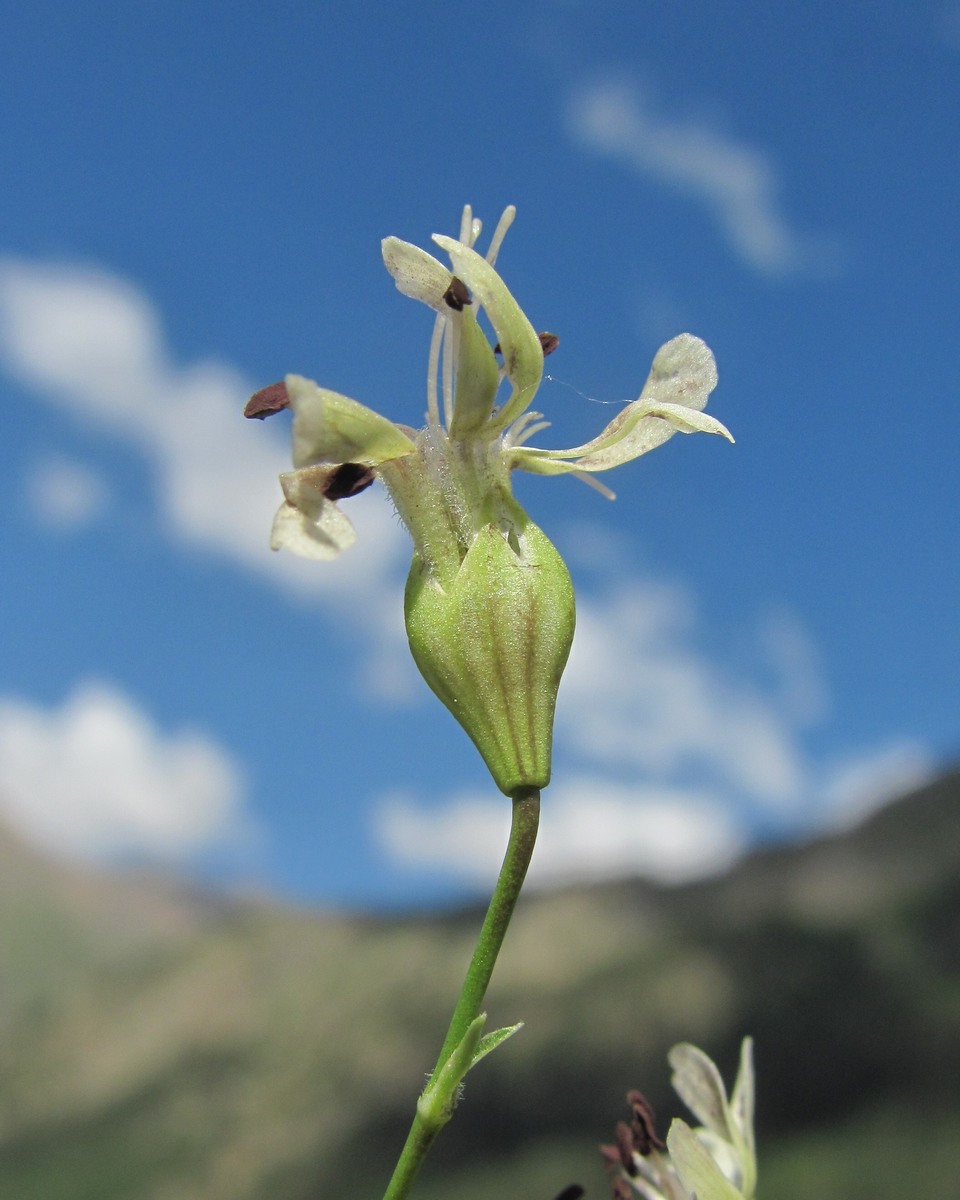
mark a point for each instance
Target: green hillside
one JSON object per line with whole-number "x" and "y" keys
{"x": 161, "y": 1042}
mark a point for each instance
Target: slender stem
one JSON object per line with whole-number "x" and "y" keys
{"x": 523, "y": 835}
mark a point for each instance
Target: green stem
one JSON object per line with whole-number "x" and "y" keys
{"x": 523, "y": 835}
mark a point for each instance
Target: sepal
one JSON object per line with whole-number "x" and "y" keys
{"x": 493, "y": 644}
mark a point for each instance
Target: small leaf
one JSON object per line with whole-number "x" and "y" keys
{"x": 491, "y": 1041}
{"x": 441, "y": 1094}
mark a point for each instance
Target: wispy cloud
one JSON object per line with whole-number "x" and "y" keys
{"x": 92, "y": 344}
{"x": 65, "y": 494}
{"x": 737, "y": 183}
{"x": 638, "y": 695}
{"x": 95, "y": 778}
{"x": 666, "y": 758}
{"x": 592, "y": 829}
{"x": 865, "y": 782}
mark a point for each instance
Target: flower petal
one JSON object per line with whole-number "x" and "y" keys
{"x": 697, "y": 1082}
{"x": 741, "y": 1112}
{"x": 478, "y": 377}
{"x": 330, "y": 428}
{"x": 742, "y": 1101}
{"x": 416, "y": 273}
{"x": 683, "y": 372}
{"x": 519, "y": 343}
{"x": 681, "y": 379}
{"x": 308, "y": 524}
{"x": 698, "y": 1172}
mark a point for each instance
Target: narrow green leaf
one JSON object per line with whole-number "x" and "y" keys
{"x": 491, "y": 1041}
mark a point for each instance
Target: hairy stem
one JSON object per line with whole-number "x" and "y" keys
{"x": 523, "y": 835}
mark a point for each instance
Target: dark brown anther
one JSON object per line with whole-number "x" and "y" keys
{"x": 620, "y": 1189}
{"x": 548, "y": 343}
{"x": 348, "y": 479}
{"x": 610, "y": 1155}
{"x": 573, "y": 1192}
{"x": 456, "y": 294}
{"x": 645, "y": 1136}
{"x": 625, "y": 1146}
{"x": 267, "y": 401}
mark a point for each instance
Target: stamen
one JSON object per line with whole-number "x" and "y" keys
{"x": 470, "y": 226}
{"x": 523, "y": 428}
{"x": 433, "y": 370}
{"x": 645, "y": 1136}
{"x": 349, "y": 479}
{"x": 449, "y": 355}
{"x": 456, "y": 295}
{"x": 509, "y": 213}
{"x": 548, "y": 343}
{"x": 592, "y": 481}
{"x": 267, "y": 401}
{"x": 535, "y": 428}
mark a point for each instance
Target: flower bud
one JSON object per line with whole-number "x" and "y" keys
{"x": 494, "y": 643}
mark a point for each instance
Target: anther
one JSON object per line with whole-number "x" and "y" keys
{"x": 548, "y": 343}
{"x": 349, "y": 479}
{"x": 626, "y": 1147}
{"x": 645, "y": 1135}
{"x": 456, "y": 294}
{"x": 267, "y": 401}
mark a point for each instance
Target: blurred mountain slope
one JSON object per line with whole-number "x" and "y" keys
{"x": 159, "y": 1041}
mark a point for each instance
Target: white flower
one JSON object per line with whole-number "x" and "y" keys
{"x": 452, "y": 479}
{"x": 489, "y": 604}
{"x": 715, "y": 1160}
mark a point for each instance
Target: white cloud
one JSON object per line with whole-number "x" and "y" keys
{"x": 860, "y": 786}
{"x": 639, "y": 696}
{"x": 66, "y": 494}
{"x": 466, "y": 837}
{"x": 796, "y": 666}
{"x": 591, "y": 829}
{"x": 91, "y": 343}
{"x": 97, "y": 779}
{"x": 736, "y": 182}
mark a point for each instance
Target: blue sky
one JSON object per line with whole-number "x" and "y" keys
{"x": 195, "y": 195}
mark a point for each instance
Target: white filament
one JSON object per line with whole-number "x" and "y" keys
{"x": 509, "y": 213}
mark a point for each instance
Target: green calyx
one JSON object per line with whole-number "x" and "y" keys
{"x": 493, "y": 644}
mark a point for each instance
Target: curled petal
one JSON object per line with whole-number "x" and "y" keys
{"x": 416, "y": 273}
{"x": 680, "y": 381}
{"x": 641, "y": 427}
{"x": 519, "y": 343}
{"x": 330, "y": 428}
{"x": 308, "y": 524}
